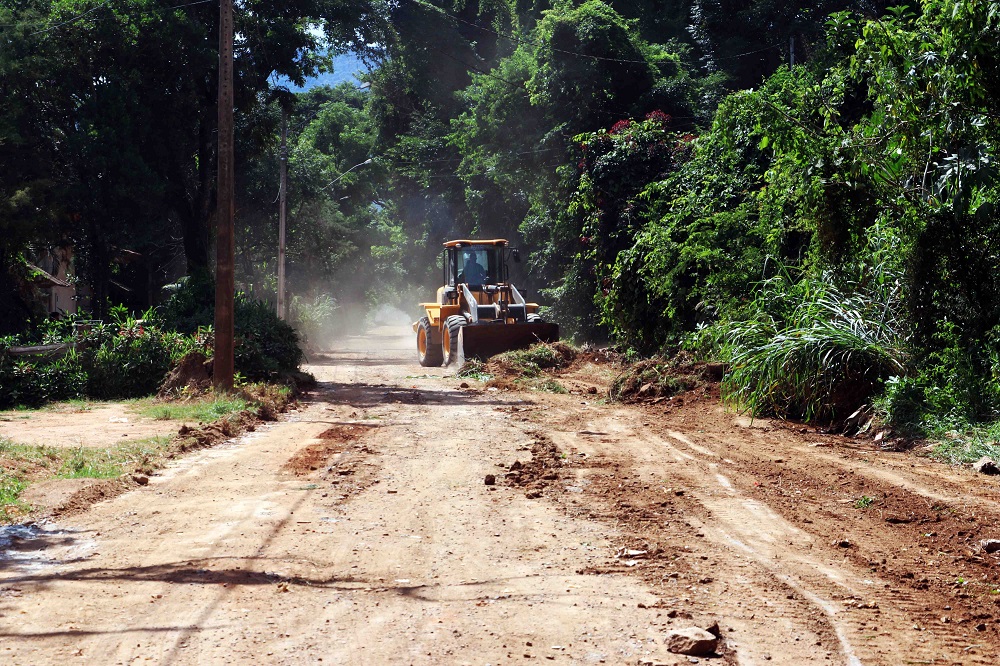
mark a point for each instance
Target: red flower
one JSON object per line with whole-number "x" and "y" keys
{"x": 619, "y": 126}
{"x": 658, "y": 116}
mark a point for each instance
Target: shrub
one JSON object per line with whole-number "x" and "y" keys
{"x": 33, "y": 382}
{"x": 954, "y": 387}
{"x": 314, "y": 320}
{"x": 809, "y": 348}
{"x": 265, "y": 345}
{"x": 124, "y": 358}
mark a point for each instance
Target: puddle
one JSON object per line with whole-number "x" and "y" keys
{"x": 32, "y": 548}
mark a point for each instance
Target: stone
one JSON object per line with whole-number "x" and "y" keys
{"x": 490, "y": 479}
{"x": 986, "y": 465}
{"x": 990, "y": 545}
{"x": 692, "y": 641}
{"x": 714, "y": 629}
{"x": 141, "y": 479}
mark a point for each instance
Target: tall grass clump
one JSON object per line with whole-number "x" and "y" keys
{"x": 816, "y": 347}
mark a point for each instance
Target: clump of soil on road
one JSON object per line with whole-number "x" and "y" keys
{"x": 538, "y": 472}
{"x": 316, "y": 455}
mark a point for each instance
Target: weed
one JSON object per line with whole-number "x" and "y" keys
{"x": 968, "y": 448}
{"x": 549, "y": 386}
{"x": 203, "y": 410}
{"x": 815, "y": 347}
{"x": 11, "y": 488}
{"x": 474, "y": 369}
{"x": 864, "y": 502}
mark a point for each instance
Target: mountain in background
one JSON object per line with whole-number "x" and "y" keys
{"x": 346, "y": 67}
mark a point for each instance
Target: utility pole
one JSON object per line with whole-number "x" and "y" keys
{"x": 225, "y": 248}
{"x": 282, "y": 197}
{"x": 791, "y": 52}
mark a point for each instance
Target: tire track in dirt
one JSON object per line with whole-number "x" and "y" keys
{"x": 874, "y": 614}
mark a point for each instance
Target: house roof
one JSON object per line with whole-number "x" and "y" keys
{"x": 44, "y": 279}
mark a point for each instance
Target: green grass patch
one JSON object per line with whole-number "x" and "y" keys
{"x": 203, "y": 410}
{"x": 962, "y": 448}
{"x": 11, "y": 487}
{"x": 112, "y": 461}
{"x": 23, "y": 464}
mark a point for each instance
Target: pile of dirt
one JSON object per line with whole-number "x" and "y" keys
{"x": 520, "y": 369}
{"x": 656, "y": 379}
{"x": 532, "y": 361}
{"x": 538, "y": 472}
{"x": 192, "y": 374}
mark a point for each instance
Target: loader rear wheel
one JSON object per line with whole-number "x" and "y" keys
{"x": 428, "y": 353}
{"x": 449, "y": 338}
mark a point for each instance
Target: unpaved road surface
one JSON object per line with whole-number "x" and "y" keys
{"x": 360, "y": 530}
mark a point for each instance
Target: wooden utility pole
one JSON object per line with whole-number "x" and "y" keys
{"x": 282, "y": 194}
{"x": 225, "y": 281}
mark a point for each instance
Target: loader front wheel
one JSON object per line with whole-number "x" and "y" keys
{"x": 428, "y": 353}
{"x": 449, "y": 338}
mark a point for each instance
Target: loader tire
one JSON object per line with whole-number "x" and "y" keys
{"x": 428, "y": 353}
{"x": 533, "y": 318}
{"x": 449, "y": 338}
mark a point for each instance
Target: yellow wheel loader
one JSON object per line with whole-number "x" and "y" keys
{"x": 478, "y": 311}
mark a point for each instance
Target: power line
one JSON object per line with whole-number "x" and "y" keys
{"x": 475, "y": 68}
{"x": 73, "y": 19}
{"x": 740, "y": 55}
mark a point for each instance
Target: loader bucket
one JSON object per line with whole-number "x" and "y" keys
{"x": 485, "y": 340}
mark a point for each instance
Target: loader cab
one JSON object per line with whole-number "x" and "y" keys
{"x": 474, "y": 263}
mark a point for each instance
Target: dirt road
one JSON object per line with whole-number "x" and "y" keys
{"x": 360, "y": 531}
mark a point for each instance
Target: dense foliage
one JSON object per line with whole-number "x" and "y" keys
{"x": 827, "y": 227}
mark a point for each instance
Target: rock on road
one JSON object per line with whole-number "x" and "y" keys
{"x": 359, "y": 530}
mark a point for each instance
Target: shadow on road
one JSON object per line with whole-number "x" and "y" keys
{"x": 372, "y": 395}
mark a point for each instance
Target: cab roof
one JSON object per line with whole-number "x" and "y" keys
{"x": 462, "y": 243}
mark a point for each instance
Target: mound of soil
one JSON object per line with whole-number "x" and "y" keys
{"x": 537, "y": 473}
{"x": 193, "y": 372}
{"x": 655, "y": 379}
